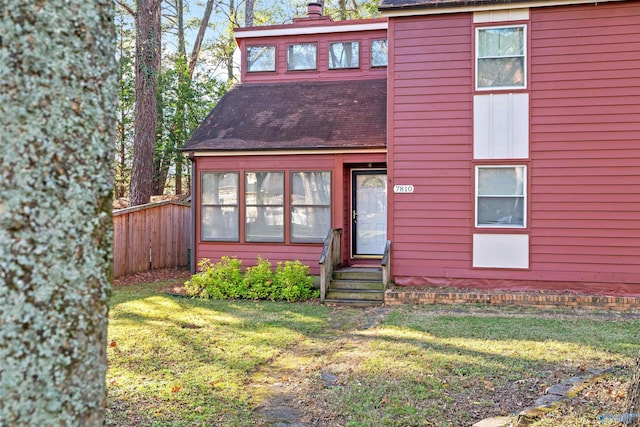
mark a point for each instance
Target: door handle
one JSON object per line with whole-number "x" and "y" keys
{"x": 354, "y": 216}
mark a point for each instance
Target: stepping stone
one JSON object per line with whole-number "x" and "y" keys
{"x": 548, "y": 400}
{"x": 574, "y": 380}
{"x": 532, "y": 412}
{"x": 494, "y": 422}
{"x": 559, "y": 389}
{"x": 329, "y": 380}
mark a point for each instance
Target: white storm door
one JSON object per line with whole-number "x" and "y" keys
{"x": 369, "y": 213}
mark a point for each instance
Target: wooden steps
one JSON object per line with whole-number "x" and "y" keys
{"x": 358, "y": 286}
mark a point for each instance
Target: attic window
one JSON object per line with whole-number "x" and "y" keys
{"x": 501, "y": 59}
{"x": 261, "y": 58}
{"x": 379, "y": 53}
{"x": 302, "y": 56}
{"x": 344, "y": 55}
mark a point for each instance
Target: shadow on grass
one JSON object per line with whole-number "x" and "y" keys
{"x": 410, "y": 369}
{"x": 472, "y": 367}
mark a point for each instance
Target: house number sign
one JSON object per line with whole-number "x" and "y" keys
{"x": 403, "y": 188}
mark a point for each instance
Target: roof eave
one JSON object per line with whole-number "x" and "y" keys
{"x": 283, "y": 151}
{"x": 472, "y": 6}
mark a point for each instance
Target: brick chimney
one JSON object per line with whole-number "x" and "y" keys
{"x": 314, "y": 10}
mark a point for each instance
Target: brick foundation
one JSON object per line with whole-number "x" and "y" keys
{"x": 398, "y": 296}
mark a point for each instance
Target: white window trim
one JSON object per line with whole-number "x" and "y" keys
{"x": 525, "y": 196}
{"x": 525, "y": 62}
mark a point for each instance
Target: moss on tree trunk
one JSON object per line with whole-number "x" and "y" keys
{"x": 58, "y": 99}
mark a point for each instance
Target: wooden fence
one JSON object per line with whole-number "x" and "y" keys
{"x": 152, "y": 236}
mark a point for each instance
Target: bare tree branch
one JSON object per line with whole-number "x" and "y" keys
{"x": 198, "y": 42}
{"x": 126, "y": 8}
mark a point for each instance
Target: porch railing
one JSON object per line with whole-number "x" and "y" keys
{"x": 329, "y": 259}
{"x": 386, "y": 264}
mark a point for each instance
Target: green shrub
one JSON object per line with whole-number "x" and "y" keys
{"x": 220, "y": 281}
{"x": 291, "y": 280}
{"x": 198, "y": 282}
{"x": 258, "y": 280}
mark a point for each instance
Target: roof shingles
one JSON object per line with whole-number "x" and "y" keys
{"x": 397, "y": 4}
{"x": 296, "y": 115}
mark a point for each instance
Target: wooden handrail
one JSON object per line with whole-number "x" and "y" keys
{"x": 329, "y": 258}
{"x": 386, "y": 265}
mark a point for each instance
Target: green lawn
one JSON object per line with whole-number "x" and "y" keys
{"x": 187, "y": 362}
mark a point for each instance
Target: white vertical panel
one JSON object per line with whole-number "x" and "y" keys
{"x": 501, "y": 15}
{"x": 501, "y": 250}
{"x": 501, "y": 126}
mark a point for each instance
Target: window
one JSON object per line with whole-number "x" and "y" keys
{"x": 379, "y": 53}
{"x": 264, "y": 202}
{"x": 344, "y": 55}
{"x": 219, "y": 206}
{"x": 302, "y": 56}
{"x": 501, "y": 196}
{"x": 500, "y": 57}
{"x": 310, "y": 206}
{"x": 261, "y": 58}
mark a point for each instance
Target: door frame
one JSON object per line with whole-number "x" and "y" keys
{"x": 353, "y": 173}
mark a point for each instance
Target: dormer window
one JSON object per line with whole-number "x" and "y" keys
{"x": 344, "y": 55}
{"x": 261, "y": 58}
{"x": 302, "y": 56}
{"x": 379, "y": 53}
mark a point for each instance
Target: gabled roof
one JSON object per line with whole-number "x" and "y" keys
{"x": 296, "y": 115}
{"x": 433, "y": 4}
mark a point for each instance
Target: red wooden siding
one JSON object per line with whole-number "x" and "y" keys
{"x": 323, "y": 72}
{"x": 307, "y": 253}
{"x": 585, "y": 142}
{"x": 430, "y": 140}
{"x": 584, "y": 189}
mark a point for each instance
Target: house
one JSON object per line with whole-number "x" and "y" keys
{"x": 487, "y": 143}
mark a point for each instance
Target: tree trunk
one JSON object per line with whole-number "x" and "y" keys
{"x": 57, "y": 103}
{"x": 184, "y": 86}
{"x": 160, "y": 157}
{"x": 633, "y": 396}
{"x": 343, "y": 9}
{"x": 147, "y": 66}
{"x": 248, "y": 13}
{"x": 178, "y": 174}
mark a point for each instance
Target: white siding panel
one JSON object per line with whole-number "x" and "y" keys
{"x": 500, "y": 16}
{"x": 501, "y": 126}
{"x": 501, "y": 250}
